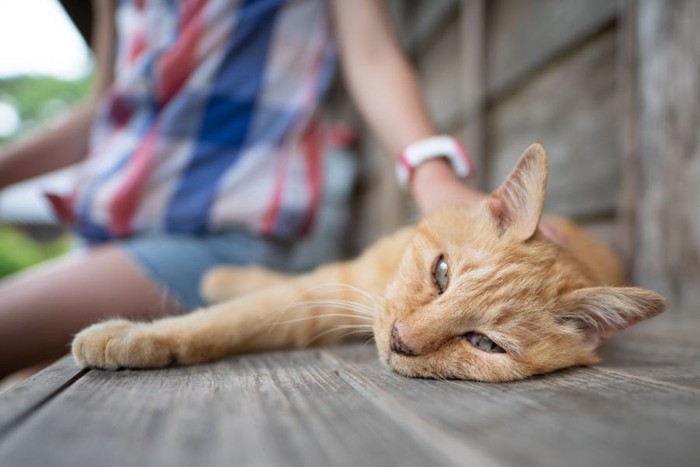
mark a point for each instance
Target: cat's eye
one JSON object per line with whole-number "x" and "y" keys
{"x": 483, "y": 343}
{"x": 441, "y": 274}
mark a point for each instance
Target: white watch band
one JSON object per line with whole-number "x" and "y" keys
{"x": 430, "y": 148}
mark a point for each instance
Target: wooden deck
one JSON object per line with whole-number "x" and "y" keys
{"x": 339, "y": 406}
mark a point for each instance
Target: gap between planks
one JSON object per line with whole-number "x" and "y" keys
{"x": 38, "y": 400}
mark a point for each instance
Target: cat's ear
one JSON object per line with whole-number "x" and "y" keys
{"x": 516, "y": 206}
{"x": 599, "y": 312}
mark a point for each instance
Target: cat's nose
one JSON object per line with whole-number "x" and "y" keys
{"x": 397, "y": 345}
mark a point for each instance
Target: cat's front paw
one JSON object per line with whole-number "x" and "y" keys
{"x": 121, "y": 344}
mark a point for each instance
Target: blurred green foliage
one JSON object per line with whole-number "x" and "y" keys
{"x": 19, "y": 251}
{"x": 40, "y": 99}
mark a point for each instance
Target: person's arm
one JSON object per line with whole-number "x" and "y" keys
{"x": 387, "y": 93}
{"x": 67, "y": 142}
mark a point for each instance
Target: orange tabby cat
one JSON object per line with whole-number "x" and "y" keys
{"x": 474, "y": 294}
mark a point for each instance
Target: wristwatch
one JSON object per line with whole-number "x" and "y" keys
{"x": 441, "y": 146}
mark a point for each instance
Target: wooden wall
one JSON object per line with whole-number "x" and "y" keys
{"x": 545, "y": 71}
{"x": 612, "y": 89}
{"x": 660, "y": 210}
{"x": 501, "y": 74}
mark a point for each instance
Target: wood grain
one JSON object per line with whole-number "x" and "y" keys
{"x": 18, "y": 402}
{"x": 439, "y": 69}
{"x": 339, "y": 406}
{"x": 273, "y": 409}
{"x": 583, "y": 416}
{"x": 662, "y": 157}
{"x": 571, "y": 108}
{"x": 526, "y": 35}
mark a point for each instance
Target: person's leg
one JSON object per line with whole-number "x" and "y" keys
{"x": 41, "y": 309}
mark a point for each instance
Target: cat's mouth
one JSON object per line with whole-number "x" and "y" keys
{"x": 407, "y": 366}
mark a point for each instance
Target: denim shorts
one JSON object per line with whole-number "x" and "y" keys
{"x": 178, "y": 262}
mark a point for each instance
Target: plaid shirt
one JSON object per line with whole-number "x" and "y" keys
{"x": 210, "y": 123}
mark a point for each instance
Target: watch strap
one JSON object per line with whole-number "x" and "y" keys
{"x": 441, "y": 146}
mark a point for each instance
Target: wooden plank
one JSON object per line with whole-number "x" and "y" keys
{"x": 379, "y": 389}
{"x": 339, "y": 406}
{"x": 440, "y": 73}
{"x": 18, "y": 402}
{"x": 576, "y": 417}
{"x": 662, "y": 157}
{"x": 472, "y": 83}
{"x": 424, "y": 20}
{"x": 627, "y": 72}
{"x": 525, "y": 35}
{"x": 658, "y": 352}
{"x": 571, "y": 108}
{"x": 451, "y": 68}
{"x": 287, "y": 408}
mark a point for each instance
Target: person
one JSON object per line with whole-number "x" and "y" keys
{"x": 188, "y": 149}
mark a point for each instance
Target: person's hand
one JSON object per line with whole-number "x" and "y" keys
{"x": 435, "y": 185}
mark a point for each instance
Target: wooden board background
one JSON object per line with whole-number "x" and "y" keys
{"x": 340, "y": 406}
{"x": 662, "y": 150}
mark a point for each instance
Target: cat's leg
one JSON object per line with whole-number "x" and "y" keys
{"x": 320, "y": 307}
{"x": 225, "y": 282}
{"x": 292, "y": 314}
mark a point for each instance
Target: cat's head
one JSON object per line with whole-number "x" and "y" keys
{"x": 483, "y": 295}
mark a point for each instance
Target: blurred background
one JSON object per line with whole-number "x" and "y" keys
{"x": 612, "y": 89}
{"x": 45, "y": 69}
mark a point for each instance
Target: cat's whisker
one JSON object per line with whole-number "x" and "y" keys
{"x": 353, "y": 326}
{"x": 358, "y": 315}
{"x": 342, "y": 304}
{"x": 352, "y": 288}
{"x": 329, "y": 315}
{"x": 442, "y": 379}
{"x": 328, "y": 331}
{"x": 283, "y": 311}
{"x": 360, "y": 306}
{"x": 364, "y": 310}
{"x": 357, "y": 331}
